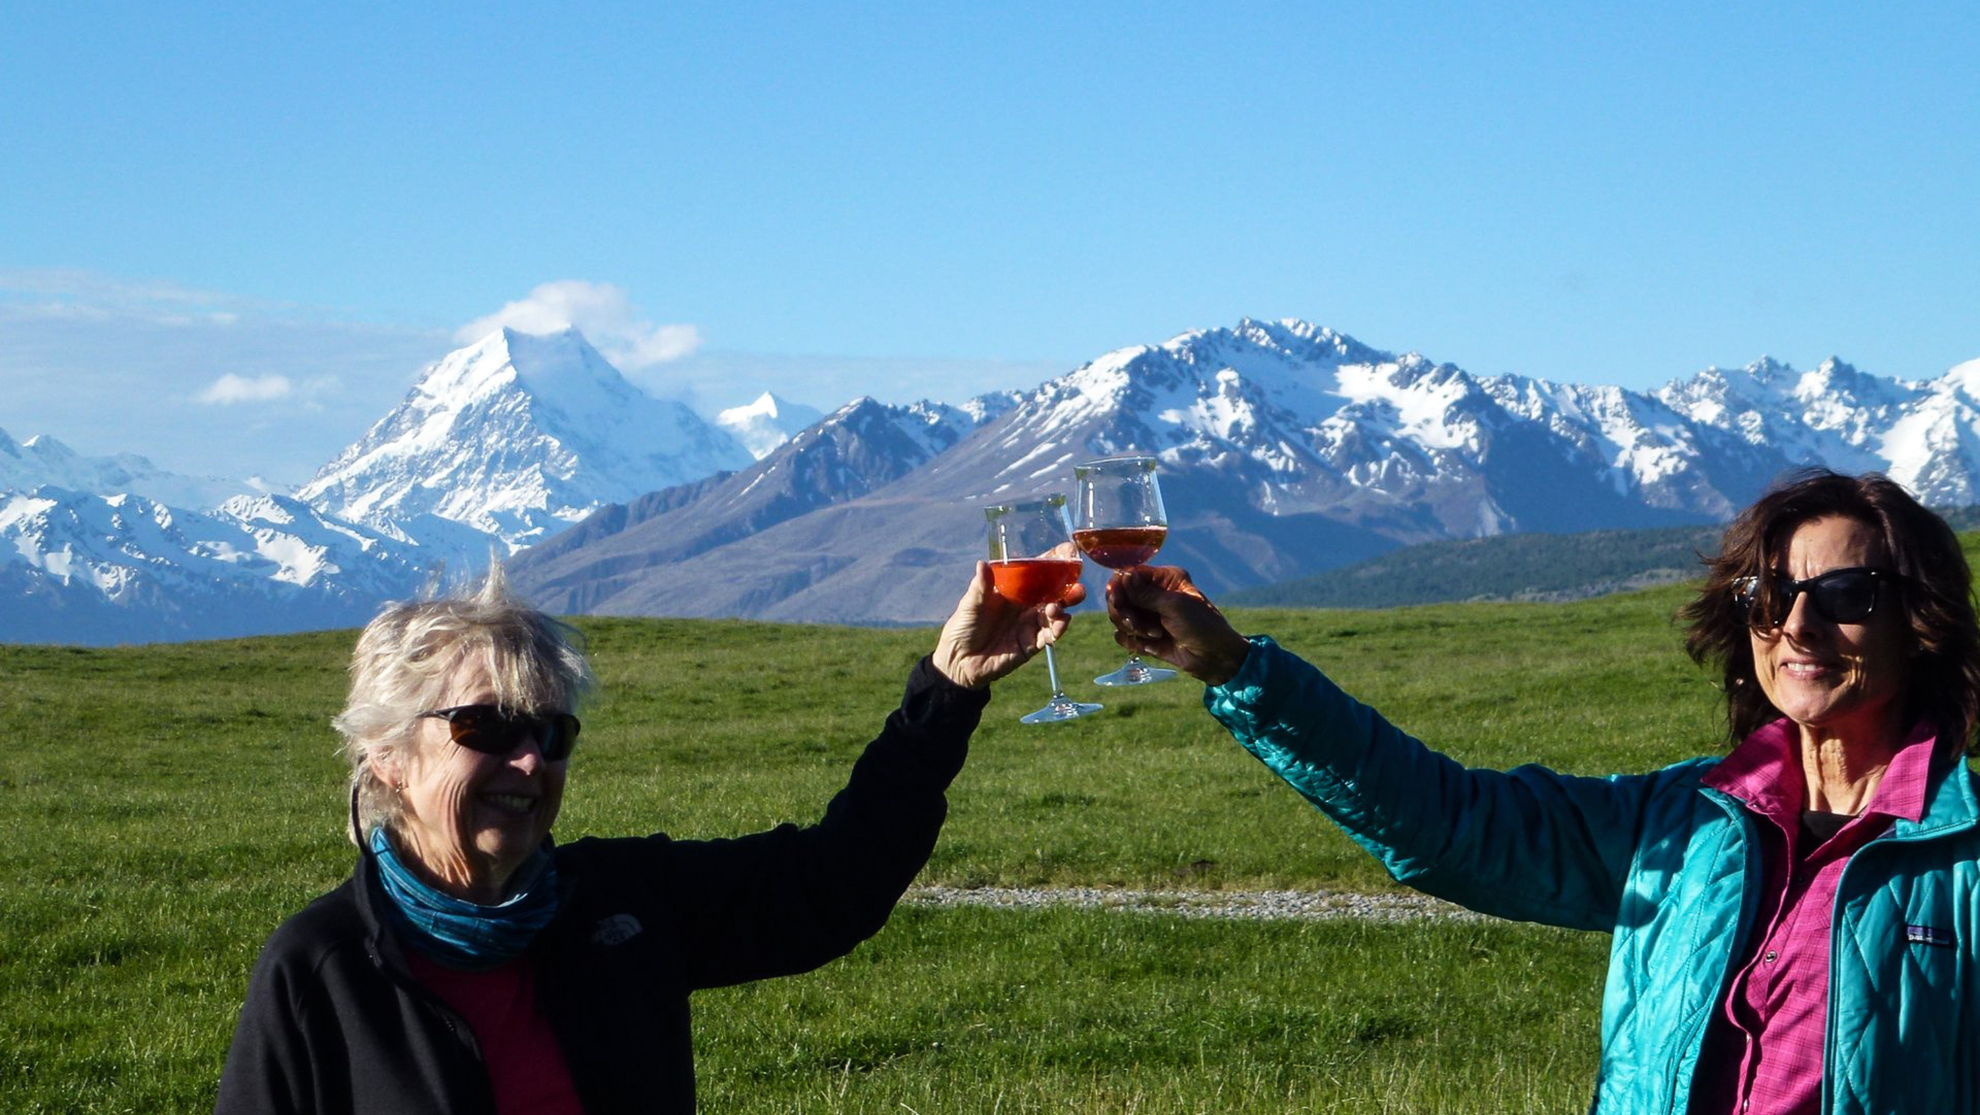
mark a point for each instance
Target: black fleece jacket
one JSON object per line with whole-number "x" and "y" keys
{"x": 335, "y": 1023}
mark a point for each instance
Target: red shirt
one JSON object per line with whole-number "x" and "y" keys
{"x": 525, "y": 1064}
{"x": 1763, "y": 1048}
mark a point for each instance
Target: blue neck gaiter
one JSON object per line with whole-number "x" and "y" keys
{"x": 460, "y": 934}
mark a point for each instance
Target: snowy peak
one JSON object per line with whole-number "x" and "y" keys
{"x": 1834, "y": 414}
{"x": 1308, "y": 343}
{"x": 517, "y": 435}
{"x": 521, "y": 374}
{"x": 42, "y": 461}
{"x": 1294, "y": 418}
{"x": 1259, "y": 390}
{"x": 1961, "y": 378}
{"x": 763, "y": 425}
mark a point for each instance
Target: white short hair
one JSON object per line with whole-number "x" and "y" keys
{"x": 405, "y": 657}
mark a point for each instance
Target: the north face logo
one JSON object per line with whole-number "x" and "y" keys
{"x": 616, "y": 930}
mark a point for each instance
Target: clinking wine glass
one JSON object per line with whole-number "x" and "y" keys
{"x": 1118, "y": 522}
{"x": 1032, "y": 561}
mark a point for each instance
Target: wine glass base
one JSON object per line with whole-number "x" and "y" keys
{"x": 1061, "y": 710}
{"x": 1135, "y": 673}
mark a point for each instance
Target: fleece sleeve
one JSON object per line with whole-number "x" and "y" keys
{"x": 792, "y": 898}
{"x": 268, "y": 1069}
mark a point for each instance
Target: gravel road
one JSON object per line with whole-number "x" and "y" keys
{"x": 1259, "y": 905}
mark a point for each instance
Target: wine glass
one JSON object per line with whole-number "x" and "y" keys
{"x": 1118, "y": 521}
{"x": 1033, "y": 562}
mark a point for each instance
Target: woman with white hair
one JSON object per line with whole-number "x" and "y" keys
{"x": 473, "y": 964}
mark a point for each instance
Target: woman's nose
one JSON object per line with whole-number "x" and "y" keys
{"x": 528, "y": 752}
{"x": 1802, "y": 618}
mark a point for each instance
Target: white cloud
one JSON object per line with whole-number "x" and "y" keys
{"x": 602, "y": 312}
{"x": 109, "y": 365}
{"x": 74, "y": 293}
{"x": 230, "y": 388}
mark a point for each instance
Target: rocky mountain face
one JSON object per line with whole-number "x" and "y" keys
{"x": 1286, "y": 449}
{"x": 616, "y": 560}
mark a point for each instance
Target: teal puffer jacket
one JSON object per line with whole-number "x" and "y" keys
{"x": 1667, "y": 866}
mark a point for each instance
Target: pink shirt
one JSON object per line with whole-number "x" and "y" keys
{"x": 1763, "y": 1049}
{"x": 525, "y": 1064}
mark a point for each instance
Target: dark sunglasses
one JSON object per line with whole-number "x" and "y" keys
{"x": 492, "y": 730}
{"x": 1839, "y": 596}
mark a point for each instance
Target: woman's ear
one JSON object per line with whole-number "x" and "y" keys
{"x": 387, "y": 764}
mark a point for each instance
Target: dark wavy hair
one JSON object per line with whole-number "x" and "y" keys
{"x": 1934, "y": 588}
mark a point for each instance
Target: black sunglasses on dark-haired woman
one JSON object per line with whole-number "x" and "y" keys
{"x": 1839, "y": 596}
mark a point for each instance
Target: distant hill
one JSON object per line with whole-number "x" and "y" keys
{"x": 1522, "y": 567}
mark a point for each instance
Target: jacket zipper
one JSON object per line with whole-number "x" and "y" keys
{"x": 1748, "y": 901}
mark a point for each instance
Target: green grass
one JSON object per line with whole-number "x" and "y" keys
{"x": 1056, "y": 1011}
{"x": 165, "y": 807}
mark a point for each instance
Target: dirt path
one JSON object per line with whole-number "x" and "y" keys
{"x": 1262, "y": 905}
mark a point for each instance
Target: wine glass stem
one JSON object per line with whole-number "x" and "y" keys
{"x": 1052, "y": 671}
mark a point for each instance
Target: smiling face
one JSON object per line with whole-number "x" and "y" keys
{"x": 1842, "y": 681}
{"x": 469, "y": 820}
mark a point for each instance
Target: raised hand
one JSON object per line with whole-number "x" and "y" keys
{"x": 988, "y": 636}
{"x": 1157, "y": 610}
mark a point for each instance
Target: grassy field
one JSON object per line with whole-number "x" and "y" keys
{"x": 165, "y": 807}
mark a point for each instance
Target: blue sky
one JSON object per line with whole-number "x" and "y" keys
{"x": 230, "y": 237}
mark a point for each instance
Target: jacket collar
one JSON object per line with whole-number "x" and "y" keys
{"x": 1950, "y": 801}
{"x": 1764, "y": 773}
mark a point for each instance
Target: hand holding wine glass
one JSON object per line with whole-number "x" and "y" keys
{"x": 1033, "y": 564}
{"x": 1158, "y": 610}
{"x": 989, "y": 635}
{"x": 1119, "y": 522}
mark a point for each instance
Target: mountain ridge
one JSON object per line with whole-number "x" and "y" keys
{"x": 1287, "y": 448}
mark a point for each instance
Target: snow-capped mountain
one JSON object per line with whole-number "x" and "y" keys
{"x": 1934, "y": 448}
{"x": 82, "y": 567}
{"x": 42, "y": 461}
{"x": 856, "y": 450}
{"x": 1290, "y": 419}
{"x": 765, "y": 424}
{"x": 517, "y": 436}
{"x": 1287, "y": 448}
{"x": 1924, "y": 434}
{"x": 1833, "y": 415}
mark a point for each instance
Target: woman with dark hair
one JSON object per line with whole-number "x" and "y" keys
{"x": 1796, "y": 924}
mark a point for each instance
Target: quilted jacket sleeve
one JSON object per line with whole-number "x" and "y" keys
{"x": 1527, "y": 844}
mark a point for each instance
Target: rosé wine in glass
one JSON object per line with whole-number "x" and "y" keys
{"x": 1033, "y": 563}
{"x": 1119, "y": 522}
